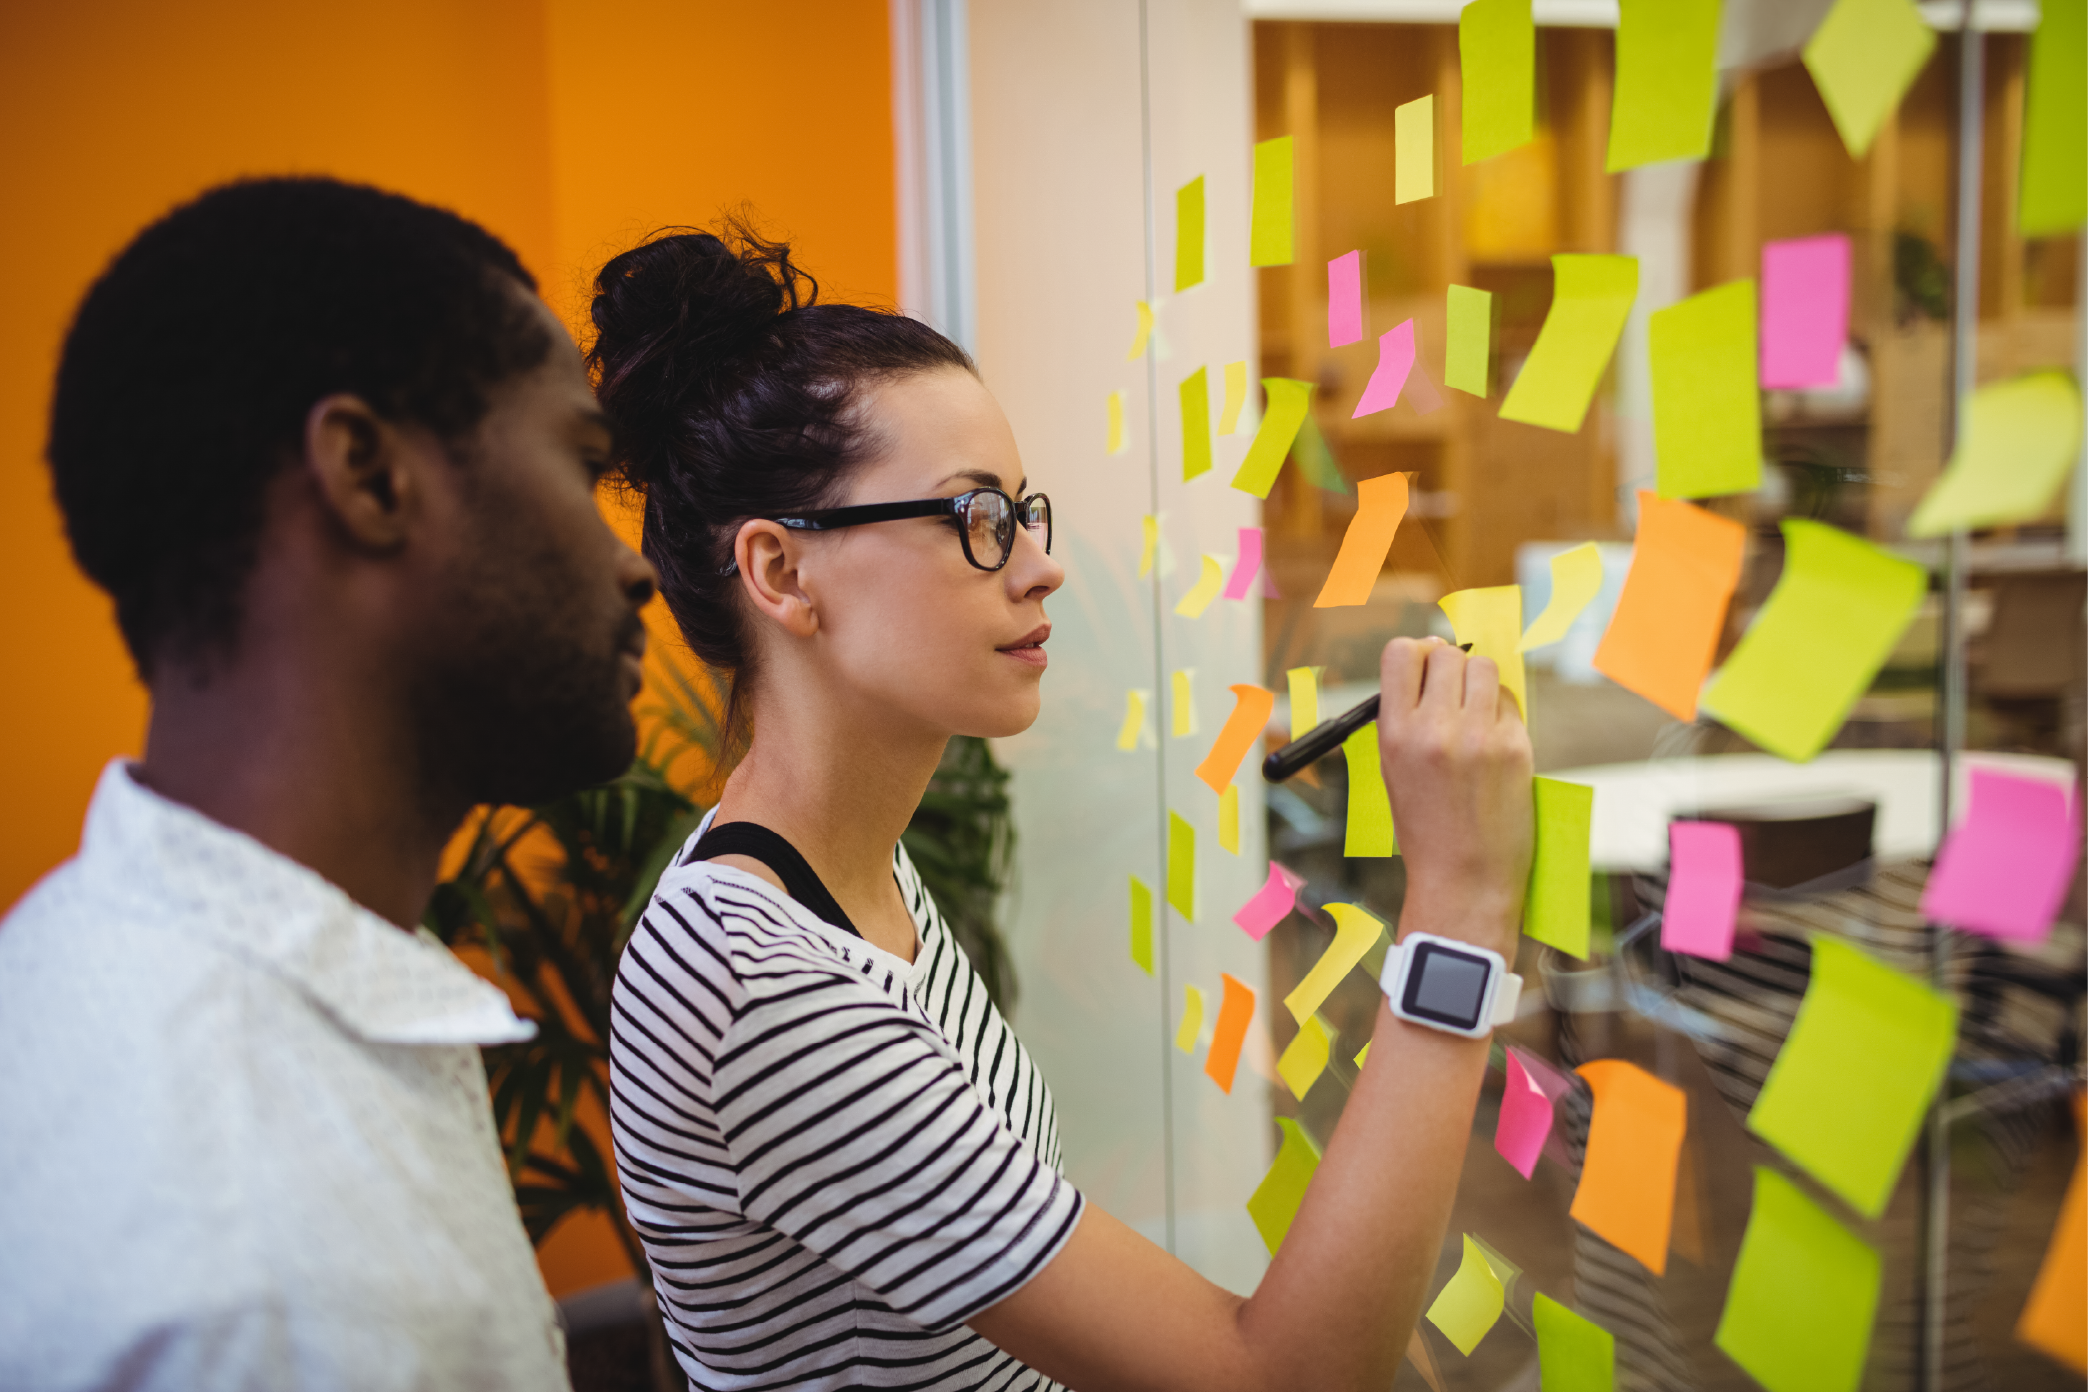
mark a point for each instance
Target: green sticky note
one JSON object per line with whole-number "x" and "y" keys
{"x": 1369, "y": 803}
{"x": 1269, "y": 241}
{"x": 1863, "y": 58}
{"x": 1573, "y": 1354}
{"x": 1471, "y": 1303}
{"x": 1275, "y": 1200}
{"x": 1555, "y": 911}
{"x": 1189, "y": 234}
{"x": 2054, "y": 196}
{"x": 1315, "y": 459}
{"x": 1707, "y": 408}
{"x": 1591, "y": 298}
{"x": 1289, "y": 401}
{"x": 1497, "y": 55}
{"x": 1805, "y": 1290}
{"x": 1195, "y": 393}
{"x": 1846, "y": 1095}
{"x": 1142, "y": 925}
{"x": 1469, "y": 329}
{"x": 1667, "y": 82}
{"x": 1181, "y": 866}
{"x": 2019, "y": 439}
{"x": 1827, "y": 628}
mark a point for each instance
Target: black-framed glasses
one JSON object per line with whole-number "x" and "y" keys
{"x": 986, "y": 517}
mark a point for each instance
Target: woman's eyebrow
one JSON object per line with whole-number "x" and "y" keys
{"x": 980, "y": 477}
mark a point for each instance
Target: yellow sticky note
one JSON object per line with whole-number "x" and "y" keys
{"x": 1863, "y": 58}
{"x": 1627, "y": 1185}
{"x": 1707, "y": 409}
{"x": 1828, "y": 626}
{"x": 1370, "y": 832}
{"x": 1804, "y": 1293}
{"x": 1189, "y": 234}
{"x": 1235, "y": 397}
{"x": 1591, "y": 298}
{"x": 1576, "y": 578}
{"x": 1381, "y": 503}
{"x": 1573, "y": 1354}
{"x": 1184, "y": 702}
{"x": 2054, "y": 194}
{"x": 1413, "y": 150}
{"x": 1192, "y": 1019}
{"x": 1305, "y": 1058}
{"x": 1116, "y": 422}
{"x": 1304, "y": 698}
{"x": 1490, "y": 620}
{"x": 1142, "y": 925}
{"x": 1276, "y": 1199}
{"x": 1471, "y": 1303}
{"x": 1362, "y": 1054}
{"x": 1208, "y": 583}
{"x": 1355, "y": 931}
{"x": 1556, "y": 908}
{"x": 1269, "y": 241}
{"x": 1195, "y": 394}
{"x": 1145, "y": 332}
{"x": 1667, "y": 82}
{"x": 1288, "y": 402}
{"x": 1229, "y": 819}
{"x": 2019, "y": 439}
{"x": 1468, "y": 350}
{"x": 1134, "y": 720}
{"x": 1497, "y": 57}
{"x": 1181, "y": 866}
{"x": 1149, "y": 544}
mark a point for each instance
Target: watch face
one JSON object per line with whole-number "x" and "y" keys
{"x": 1446, "y": 986}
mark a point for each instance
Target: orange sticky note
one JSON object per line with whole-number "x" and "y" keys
{"x": 1627, "y": 1185}
{"x": 2055, "y": 1322}
{"x": 1250, "y": 716}
{"x": 1234, "y": 1014}
{"x": 1381, "y": 503}
{"x": 1673, "y": 607}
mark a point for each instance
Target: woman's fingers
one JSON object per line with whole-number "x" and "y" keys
{"x": 1400, "y": 673}
{"x": 1482, "y": 686}
{"x": 1443, "y": 689}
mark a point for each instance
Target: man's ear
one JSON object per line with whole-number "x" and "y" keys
{"x": 363, "y": 470}
{"x": 767, "y": 557}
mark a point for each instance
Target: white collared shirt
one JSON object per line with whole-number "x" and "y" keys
{"x": 245, "y": 1140}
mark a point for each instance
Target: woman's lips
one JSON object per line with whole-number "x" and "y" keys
{"x": 1030, "y": 647}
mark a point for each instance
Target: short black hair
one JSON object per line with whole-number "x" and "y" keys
{"x": 195, "y": 358}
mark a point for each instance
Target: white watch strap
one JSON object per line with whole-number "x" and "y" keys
{"x": 1507, "y": 996}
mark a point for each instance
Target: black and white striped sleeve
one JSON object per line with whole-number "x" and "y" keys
{"x": 853, "y": 1130}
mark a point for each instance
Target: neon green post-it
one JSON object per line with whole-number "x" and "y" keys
{"x": 1369, "y": 801}
{"x": 1573, "y": 1354}
{"x": 1847, "y": 1093}
{"x": 2019, "y": 439}
{"x": 1555, "y": 911}
{"x": 1667, "y": 82}
{"x": 1269, "y": 241}
{"x": 1497, "y": 56}
{"x": 1316, "y": 461}
{"x": 1189, "y": 234}
{"x": 1591, "y": 298}
{"x": 1826, "y": 629}
{"x": 1469, "y": 334}
{"x": 2054, "y": 195}
{"x": 1863, "y": 58}
{"x": 1804, "y": 1292}
{"x": 1195, "y": 393}
{"x": 1707, "y": 408}
{"x": 1413, "y": 150}
{"x": 1471, "y": 1303}
{"x": 1275, "y": 1200}
{"x": 1181, "y": 866}
{"x": 1142, "y": 925}
{"x": 1305, "y": 1057}
{"x": 1289, "y": 401}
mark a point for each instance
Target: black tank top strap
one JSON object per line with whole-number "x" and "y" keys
{"x": 757, "y": 842}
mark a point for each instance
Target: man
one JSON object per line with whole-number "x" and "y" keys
{"x": 335, "y": 464}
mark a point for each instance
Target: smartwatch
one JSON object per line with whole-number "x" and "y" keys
{"x": 1449, "y": 985}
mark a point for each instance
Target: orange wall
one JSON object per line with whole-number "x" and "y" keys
{"x": 567, "y": 128}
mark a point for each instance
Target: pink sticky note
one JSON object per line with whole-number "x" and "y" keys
{"x": 1268, "y": 585}
{"x": 1395, "y": 361}
{"x": 1526, "y": 1119}
{"x": 2005, "y": 869}
{"x": 1345, "y": 300}
{"x": 1805, "y": 310}
{"x": 1421, "y": 393}
{"x": 1270, "y": 903}
{"x": 1704, "y": 884}
{"x": 1243, "y": 571}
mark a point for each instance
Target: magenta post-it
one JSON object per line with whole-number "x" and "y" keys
{"x": 1345, "y": 300}
{"x": 1270, "y": 903}
{"x": 1526, "y": 1118}
{"x": 2005, "y": 869}
{"x": 1703, "y": 894}
{"x": 1395, "y": 361}
{"x": 1805, "y": 310}
{"x": 1247, "y": 566}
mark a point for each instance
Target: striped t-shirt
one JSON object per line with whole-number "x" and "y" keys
{"x": 833, "y": 1157}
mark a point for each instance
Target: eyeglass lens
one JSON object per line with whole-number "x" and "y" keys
{"x": 989, "y": 523}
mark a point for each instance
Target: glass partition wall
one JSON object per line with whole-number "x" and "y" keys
{"x": 1089, "y": 119}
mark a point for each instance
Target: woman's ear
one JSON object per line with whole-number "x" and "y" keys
{"x": 766, "y": 553}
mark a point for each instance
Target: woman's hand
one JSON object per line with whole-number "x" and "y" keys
{"x": 1456, "y": 757}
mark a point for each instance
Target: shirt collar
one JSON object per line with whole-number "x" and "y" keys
{"x": 205, "y": 879}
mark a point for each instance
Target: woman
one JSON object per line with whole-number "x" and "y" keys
{"x": 841, "y": 1162}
